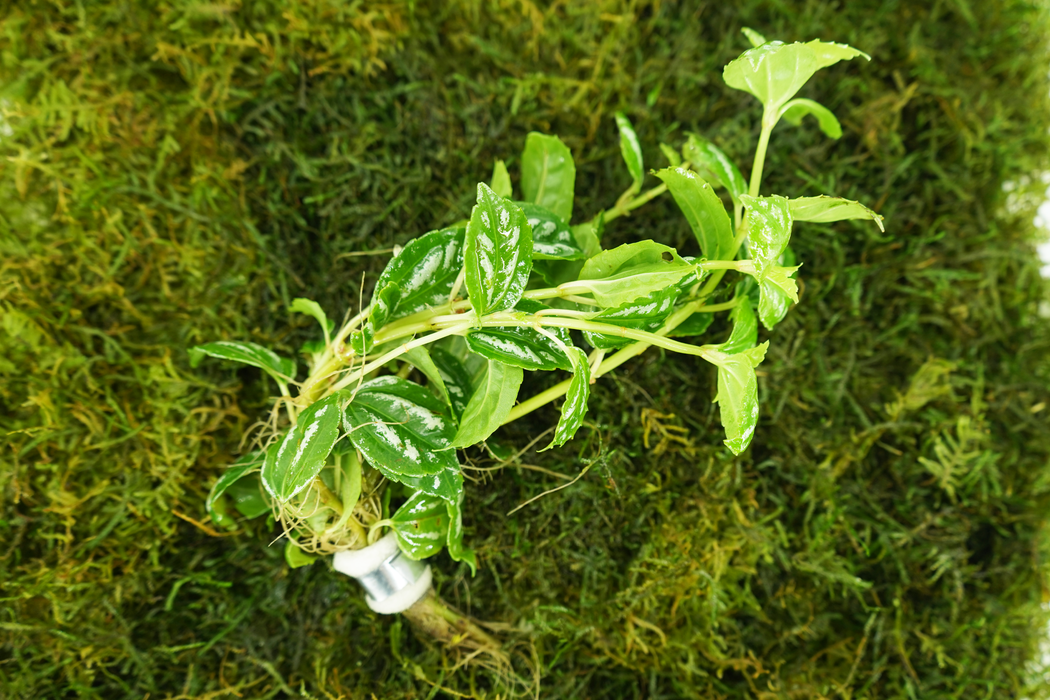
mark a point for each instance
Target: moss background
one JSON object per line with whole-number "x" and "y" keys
{"x": 175, "y": 172}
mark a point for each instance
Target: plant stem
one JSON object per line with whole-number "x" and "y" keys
{"x": 760, "y": 154}
{"x": 327, "y": 497}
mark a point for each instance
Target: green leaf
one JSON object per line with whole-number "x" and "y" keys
{"x": 419, "y": 357}
{"x": 697, "y": 324}
{"x": 672, "y": 156}
{"x": 709, "y": 160}
{"x": 295, "y": 557}
{"x": 279, "y": 368}
{"x": 575, "y": 406}
{"x": 631, "y": 149}
{"x": 738, "y": 396}
{"x": 703, "y": 210}
{"x": 768, "y": 230}
{"x": 646, "y": 313}
{"x": 745, "y": 328}
{"x": 621, "y": 275}
{"x": 794, "y": 111}
{"x": 774, "y": 71}
{"x": 489, "y": 405}
{"x": 521, "y": 347}
{"x": 548, "y": 175}
{"x": 421, "y": 276}
{"x": 552, "y": 238}
{"x": 773, "y": 304}
{"x": 498, "y": 253}
{"x": 754, "y": 37}
{"x": 311, "y": 308}
{"x": 587, "y": 235}
{"x": 824, "y": 209}
{"x": 501, "y": 179}
{"x": 456, "y": 550}
{"x": 421, "y": 525}
{"x": 401, "y": 428}
{"x": 455, "y": 377}
{"x": 244, "y": 466}
{"x": 292, "y": 463}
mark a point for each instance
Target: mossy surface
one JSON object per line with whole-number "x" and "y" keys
{"x": 177, "y": 172}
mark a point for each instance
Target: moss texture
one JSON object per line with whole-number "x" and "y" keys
{"x": 176, "y": 172}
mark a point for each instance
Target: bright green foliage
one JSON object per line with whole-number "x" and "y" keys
{"x": 500, "y": 183}
{"x": 633, "y": 270}
{"x": 574, "y": 408}
{"x": 825, "y": 209}
{"x": 498, "y": 253}
{"x": 738, "y": 394}
{"x": 421, "y": 525}
{"x": 631, "y": 150}
{"x": 490, "y": 403}
{"x": 548, "y": 174}
{"x": 797, "y": 109}
{"x": 236, "y": 472}
{"x": 292, "y": 462}
{"x": 709, "y": 160}
{"x": 179, "y": 173}
{"x": 704, "y": 212}
{"x": 768, "y": 230}
{"x": 281, "y": 369}
{"x": 552, "y": 238}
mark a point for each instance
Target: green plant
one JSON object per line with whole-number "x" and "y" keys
{"x": 470, "y": 307}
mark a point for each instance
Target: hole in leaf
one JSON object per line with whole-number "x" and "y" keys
{"x": 667, "y": 256}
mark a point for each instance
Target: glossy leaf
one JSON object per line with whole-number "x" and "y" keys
{"x": 574, "y": 407}
{"x": 738, "y": 396}
{"x": 237, "y": 471}
{"x": 621, "y": 275}
{"x": 768, "y": 230}
{"x": 292, "y": 463}
{"x": 824, "y": 209}
{"x": 489, "y": 405}
{"x": 646, "y": 313}
{"x": 745, "y": 328}
{"x": 421, "y": 525}
{"x": 697, "y": 324}
{"x": 754, "y": 37}
{"x": 498, "y": 253}
{"x": 709, "y": 160}
{"x": 552, "y": 238}
{"x": 703, "y": 210}
{"x": 773, "y": 304}
{"x": 455, "y": 377}
{"x": 631, "y": 149}
{"x": 774, "y": 71}
{"x": 401, "y": 428}
{"x": 794, "y": 111}
{"x": 419, "y": 357}
{"x": 587, "y": 235}
{"x": 265, "y": 359}
{"x": 501, "y": 179}
{"x": 521, "y": 347}
{"x": 548, "y": 175}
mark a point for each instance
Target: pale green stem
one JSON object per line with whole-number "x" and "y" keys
{"x": 760, "y": 154}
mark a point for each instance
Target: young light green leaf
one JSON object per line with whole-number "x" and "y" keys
{"x": 621, "y": 275}
{"x": 498, "y": 253}
{"x": 296, "y": 557}
{"x": 646, "y": 313}
{"x": 703, "y": 210}
{"x": 401, "y": 428}
{"x": 575, "y": 406}
{"x": 292, "y": 463}
{"x": 279, "y": 368}
{"x": 501, "y": 179}
{"x": 552, "y": 238}
{"x": 824, "y": 209}
{"x": 631, "y": 149}
{"x": 238, "y": 470}
{"x": 421, "y": 525}
{"x": 738, "y": 396}
{"x": 489, "y": 405}
{"x": 419, "y": 357}
{"x": 521, "y": 347}
{"x": 548, "y": 175}
{"x": 455, "y": 377}
{"x": 794, "y": 111}
{"x": 768, "y": 230}
{"x": 774, "y": 71}
{"x": 311, "y": 308}
{"x": 773, "y": 304}
{"x": 709, "y": 160}
{"x": 672, "y": 156}
{"x": 754, "y": 37}
{"x": 745, "y": 328}
{"x": 421, "y": 276}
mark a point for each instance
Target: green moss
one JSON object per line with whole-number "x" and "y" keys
{"x": 177, "y": 172}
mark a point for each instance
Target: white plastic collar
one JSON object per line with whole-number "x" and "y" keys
{"x": 392, "y": 581}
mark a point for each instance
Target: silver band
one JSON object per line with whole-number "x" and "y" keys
{"x": 394, "y": 574}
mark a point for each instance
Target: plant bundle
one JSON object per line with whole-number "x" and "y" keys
{"x": 367, "y": 443}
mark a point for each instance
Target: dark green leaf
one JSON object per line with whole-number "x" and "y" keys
{"x": 456, "y": 550}
{"x": 587, "y": 235}
{"x": 267, "y": 360}
{"x": 421, "y": 525}
{"x": 631, "y": 149}
{"x": 621, "y": 275}
{"x": 501, "y": 179}
{"x": 703, "y": 210}
{"x": 498, "y": 253}
{"x": 738, "y": 396}
{"x": 292, "y": 463}
{"x": 768, "y": 230}
{"x": 575, "y": 406}
{"x": 521, "y": 347}
{"x": 548, "y": 175}
{"x": 419, "y": 357}
{"x": 552, "y": 238}
{"x": 455, "y": 377}
{"x": 237, "y": 472}
{"x": 401, "y": 428}
{"x": 646, "y": 313}
{"x": 489, "y": 405}
{"x": 824, "y": 209}
{"x": 711, "y": 162}
{"x": 794, "y": 111}
{"x": 774, "y": 71}
{"x": 697, "y": 324}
